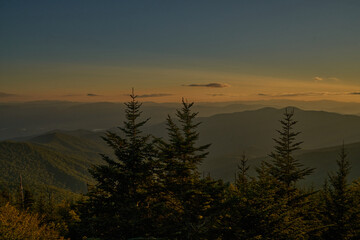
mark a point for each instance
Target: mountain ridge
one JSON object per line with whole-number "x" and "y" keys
{"x": 71, "y": 153}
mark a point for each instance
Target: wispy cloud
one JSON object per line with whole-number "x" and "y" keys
{"x": 318, "y": 79}
{"x": 326, "y": 79}
{"x": 92, "y": 95}
{"x": 6, "y": 95}
{"x": 154, "y": 95}
{"x": 302, "y": 94}
{"x": 210, "y": 85}
{"x": 216, "y": 94}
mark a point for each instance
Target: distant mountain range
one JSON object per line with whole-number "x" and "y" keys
{"x": 252, "y": 132}
{"x": 33, "y": 118}
{"x": 61, "y": 158}
{"x": 322, "y": 159}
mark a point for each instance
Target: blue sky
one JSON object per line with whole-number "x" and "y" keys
{"x": 159, "y": 47}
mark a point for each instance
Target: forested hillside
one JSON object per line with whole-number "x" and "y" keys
{"x": 42, "y": 167}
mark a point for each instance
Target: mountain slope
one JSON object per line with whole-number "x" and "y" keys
{"x": 61, "y": 158}
{"x": 257, "y": 128}
{"x": 39, "y": 117}
{"x": 41, "y": 166}
{"x": 33, "y": 118}
{"x": 81, "y": 142}
{"x": 322, "y": 159}
{"x": 252, "y": 131}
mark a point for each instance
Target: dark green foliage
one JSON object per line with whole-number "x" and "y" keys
{"x": 242, "y": 175}
{"x": 119, "y": 205}
{"x": 262, "y": 211}
{"x": 271, "y": 207}
{"x": 284, "y": 167}
{"x": 187, "y": 198}
{"x": 181, "y": 149}
{"x": 341, "y": 208}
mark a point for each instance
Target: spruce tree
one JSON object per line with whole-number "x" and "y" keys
{"x": 185, "y": 195}
{"x": 261, "y": 211}
{"x": 283, "y": 165}
{"x": 341, "y": 214}
{"x": 242, "y": 176}
{"x": 119, "y": 205}
{"x": 283, "y": 172}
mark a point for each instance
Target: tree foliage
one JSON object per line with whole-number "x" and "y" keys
{"x": 284, "y": 166}
{"x": 19, "y": 225}
{"x": 341, "y": 204}
{"x": 119, "y": 205}
{"x": 187, "y": 197}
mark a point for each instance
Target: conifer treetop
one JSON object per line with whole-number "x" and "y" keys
{"x": 283, "y": 165}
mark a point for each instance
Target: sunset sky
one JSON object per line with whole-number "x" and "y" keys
{"x": 201, "y": 50}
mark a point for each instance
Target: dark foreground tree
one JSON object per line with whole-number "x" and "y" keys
{"x": 189, "y": 200}
{"x": 341, "y": 212}
{"x": 261, "y": 210}
{"x": 280, "y": 213}
{"x": 153, "y": 190}
{"x": 242, "y": 176}
{"x": 119, "y": 206}
{"x": 284, "y": 166}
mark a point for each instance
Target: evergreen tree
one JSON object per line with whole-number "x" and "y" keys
{"x": 277, "y": 183}
{"x": 341, "y": 211}
{"x": 261, "y": 211}
{"x": 242, "y": 174}
{"x": 119, "y": 205}
{"x": 187, "y": 197}
{"x": 181, "y": 149}
{"x": 284, "y": 166}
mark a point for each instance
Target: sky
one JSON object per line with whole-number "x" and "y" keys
{"x": 201, "y": 50}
